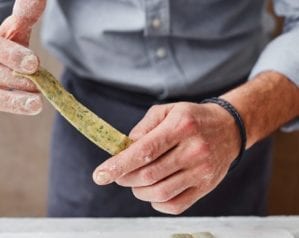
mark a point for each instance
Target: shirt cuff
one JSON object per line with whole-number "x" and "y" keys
{"x": 280, "y": 55}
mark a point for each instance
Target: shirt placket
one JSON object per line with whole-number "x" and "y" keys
{"x": 158, "y": 45}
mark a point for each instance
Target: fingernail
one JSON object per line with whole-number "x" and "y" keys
{"x": 33, "y": 105}
{"x": 103, "y": 178}
{"x": 29, "y": 64}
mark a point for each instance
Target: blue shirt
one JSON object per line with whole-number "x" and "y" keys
{"x": 170, "y": 48}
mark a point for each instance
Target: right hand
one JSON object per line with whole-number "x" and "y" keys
{"x": 19, "y": 95}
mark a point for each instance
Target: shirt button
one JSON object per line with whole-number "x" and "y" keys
{"x": 161, "y": 53}
{"x": 156, "y": 23}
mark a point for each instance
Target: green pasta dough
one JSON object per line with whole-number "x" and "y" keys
{"x": 89, "y": 124}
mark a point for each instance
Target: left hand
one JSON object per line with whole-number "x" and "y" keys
{"x": 17, "y": 94}
{"x": 182, "y": 151}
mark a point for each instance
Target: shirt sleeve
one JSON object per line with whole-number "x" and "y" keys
{"x": 282, "y": 53}
{"x": 5, "y": 8}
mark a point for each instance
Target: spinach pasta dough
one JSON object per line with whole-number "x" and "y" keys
{"x": 89, "y": 124}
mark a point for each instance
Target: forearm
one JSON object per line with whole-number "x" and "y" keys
{"x": 265, "y": 104}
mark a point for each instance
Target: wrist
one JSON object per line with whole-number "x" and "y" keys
{"x": 234, "y": 124}
{"x": 252, "y": 135}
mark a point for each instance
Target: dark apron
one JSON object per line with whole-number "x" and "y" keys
{"x": 72, "y": 193}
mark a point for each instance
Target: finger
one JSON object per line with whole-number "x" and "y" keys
{"x": 9, "y": 81}
{"x": 154, "y": 116}
{"x": 180, "y": 203}
{"x": 139, "y": 154}
{"x": 166, "y": 189}
{"x": 205, "y": 178}
{"x": 181, "y": 157}
{"x": 18, "y": 102}
{"x": 160, "y": 169}
{"x": 17, "y": 57}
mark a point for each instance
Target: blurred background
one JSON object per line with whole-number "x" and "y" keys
{"x": 24, "y": 147}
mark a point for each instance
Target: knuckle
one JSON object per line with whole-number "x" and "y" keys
{"x": 194, "y": 149}
{"x": 147, "y": 176}
{"x": 147, "y": 152}
{"x": 205, "y": 150}
{"x": 136, "y": 132}
{"x": 154, "y": 108}
{"x": 182, "y": 105}
{"x": 162, "y": 195}
{"x": 189, "y": 124}
{"x": 199, "y": 150}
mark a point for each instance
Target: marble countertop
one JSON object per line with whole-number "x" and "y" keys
{"x": 280, "y": 226}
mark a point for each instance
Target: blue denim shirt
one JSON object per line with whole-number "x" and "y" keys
{"x": 170, "y": 47}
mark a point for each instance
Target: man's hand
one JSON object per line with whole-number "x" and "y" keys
{"x": 182, "y": 152}
{"x": 19, "y": 95}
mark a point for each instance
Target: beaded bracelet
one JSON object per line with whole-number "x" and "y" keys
{"x": 232, "y": 110}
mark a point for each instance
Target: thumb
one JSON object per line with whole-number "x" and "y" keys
{"x": 154, "y": 116}
{"x": 29, "y": 10}
{"x": 26, "y": 13}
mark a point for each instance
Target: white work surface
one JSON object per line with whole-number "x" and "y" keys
{"x": 222, "y": 227}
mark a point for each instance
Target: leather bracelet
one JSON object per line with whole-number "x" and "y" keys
{"x": 232, "y": 110}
